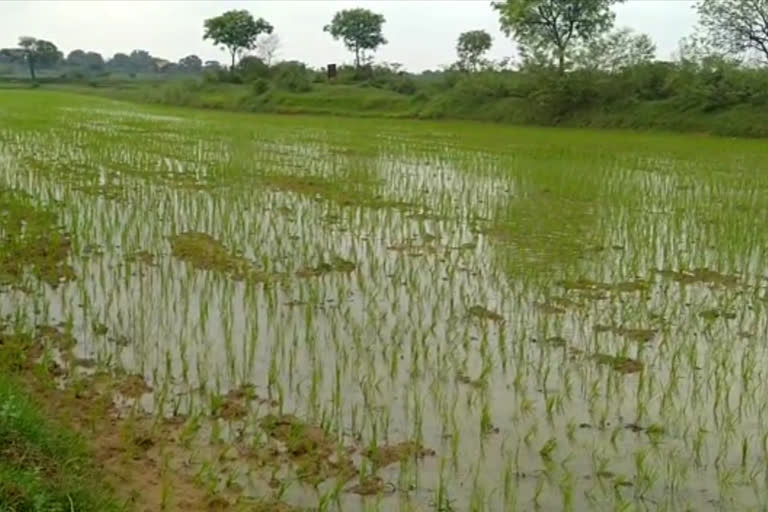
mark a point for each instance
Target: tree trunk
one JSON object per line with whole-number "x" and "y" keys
{"x": 357, "y": 58}
{"x": 31, "y": 63}
{"x": 232, "y": 66}
{"x": 561, "y": 61}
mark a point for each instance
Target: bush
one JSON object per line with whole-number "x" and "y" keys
{"x": 259, "y": 86}
{"x": 252, "y": 68}
{"x": 292, "y": 76}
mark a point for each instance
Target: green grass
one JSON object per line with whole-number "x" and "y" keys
{"x": 43, "y": 467}
{"x": 358, "y": 101}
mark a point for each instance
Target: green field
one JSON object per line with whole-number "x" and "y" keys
{"x": 355, "y": 314}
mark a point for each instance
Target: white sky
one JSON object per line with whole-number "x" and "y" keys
{"x": 422, "y": 33}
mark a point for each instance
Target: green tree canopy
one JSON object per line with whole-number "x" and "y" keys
{"x": 237, "y": 31}
{"x": 141, "y": 60}
{"x": 736, "y": 26}
{"x": 471, "y": 47}
{"x": 121, "y": 62}
{"x": 36, "y": 53}
{"x": 551, "y": 28}
{"x": 359, "y": 29}
{"x": 617, "y": 50}
{"x": 87, "y": 60}
{"x": 191, "y": 64}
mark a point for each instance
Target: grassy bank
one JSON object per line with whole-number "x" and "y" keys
{"x": 43, "y": 466}
{"x": 671, "y": 114}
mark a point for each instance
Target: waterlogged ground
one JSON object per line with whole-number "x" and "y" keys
{"x": 330, "y": 314}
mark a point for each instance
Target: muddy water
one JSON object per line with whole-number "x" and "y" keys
{"x": 526, "y": 405}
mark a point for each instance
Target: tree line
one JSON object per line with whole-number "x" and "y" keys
{"x": 559, "y": 34}
{"x": 562, "y": 37}
{"x": 38, "y": 54}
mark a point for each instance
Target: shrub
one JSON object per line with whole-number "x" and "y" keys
{"x": 252, "y": 68}
{"x": 259, "y": 86}
{"x": 292, "y": 76}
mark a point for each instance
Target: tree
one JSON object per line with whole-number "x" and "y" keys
{"x": 616, "y": 50}
{"x": 212, "y": 65}
{"x": 36, "y": 53}
{"x": 236, "y": 31}
{"x": 120, "y": 62}
{"x": 359, "y": 29}
{"x": 551, "y": 28}
{"x": 76, "y": 58}
{"x": 141, "y": 60}
{"x": 191, "y": 64}
{"x": 736, "y": 26}
{"x": 94, "y": 61}
{"x": 471, "y": 47}
{"x": 251, "y": 67}
{"x": 267, "y": 48}
{"x": 86, "y": 60}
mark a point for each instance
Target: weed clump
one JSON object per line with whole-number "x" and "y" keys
{"x": 204, "y": 252}
{"x": 31, "y": 240}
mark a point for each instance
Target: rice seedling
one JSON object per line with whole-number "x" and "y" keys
{"x": 392, "y": 315}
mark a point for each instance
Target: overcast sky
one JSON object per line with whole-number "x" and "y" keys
{"x": 422, "y": 33}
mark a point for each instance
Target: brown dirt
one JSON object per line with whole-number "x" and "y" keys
{"x": 130, "y": 453}
{"x": 316, "y": 455}
{"x": 383, "y": 456}
{"x": 148, "y": 463}
{"x": 371, "y": 486}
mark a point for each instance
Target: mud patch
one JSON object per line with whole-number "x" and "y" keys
{"x": 586, "y": 285}
{"x": 638, "y": 335}
{"x": 385, "y": 455}
{"x": 371, "y": 486}
{"x": 701, "y": 276}
{"x": 715, "y": 314}
{"x": 31, "y": 240}
{"x": 336, "y": 264}
{"x": 484, "y": 313}
{"x": 204, "y": 252}
{"x": 143, "y": 257}
{"x": 620, "y": 364}
{"x": 315, "y": 455}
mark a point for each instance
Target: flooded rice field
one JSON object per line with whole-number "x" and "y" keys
{"x": 332, "y": 314}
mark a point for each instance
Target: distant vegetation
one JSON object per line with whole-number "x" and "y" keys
{"x": 574, "y": 67}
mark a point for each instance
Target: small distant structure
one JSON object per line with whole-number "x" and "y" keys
{"x": 332, "y": 71}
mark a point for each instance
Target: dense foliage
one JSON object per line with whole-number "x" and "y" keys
{"x": 575, "y": 68}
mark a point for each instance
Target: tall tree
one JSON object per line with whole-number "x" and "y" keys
{"x": 237, "y": 31}
{"x": 87, "y": 60}
{"x": 76, "y": 58}
{"x": 553, "y": 27}
{"x": 618, "y": 49}
{"x": 359, "y": 29}
{"x": 191, "y": 64}
{"x": 471, "y": 47}
{"x": 37, "y": 53}
{"x": 736, "y": 26}
{"x": 94, "y": 61}
{"x": 141, "y": 60}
